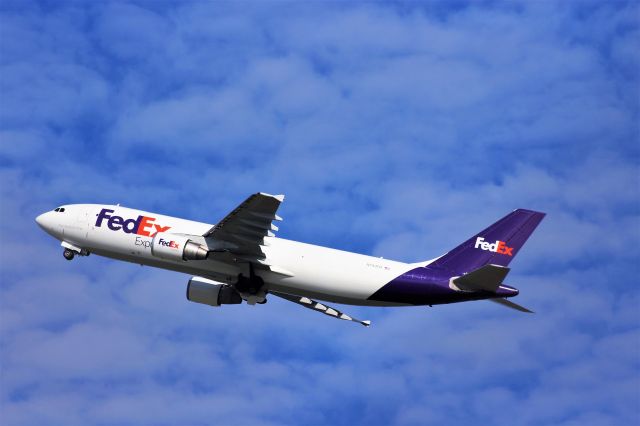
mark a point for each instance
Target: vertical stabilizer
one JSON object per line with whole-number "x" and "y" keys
{"x": 496, "y": 245}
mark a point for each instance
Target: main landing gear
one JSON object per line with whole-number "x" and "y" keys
{"x": 251, "y": 284}
{"x": 251, "y": 288}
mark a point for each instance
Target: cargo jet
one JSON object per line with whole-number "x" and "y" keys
{"x": 240, "y": 259}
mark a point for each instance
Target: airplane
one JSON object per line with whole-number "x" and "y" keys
{"x": 240, "y": 258}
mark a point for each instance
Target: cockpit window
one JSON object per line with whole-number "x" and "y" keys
{"x": 59, "y": 209}
{"x": 62, "y": 209}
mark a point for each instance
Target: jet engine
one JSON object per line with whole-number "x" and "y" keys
{"x": 177, "y": 247}
{"x": 208, "y": 292}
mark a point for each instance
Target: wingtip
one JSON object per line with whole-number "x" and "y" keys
{"x": 366, "y": 323}
{"x": 279, "y": 197}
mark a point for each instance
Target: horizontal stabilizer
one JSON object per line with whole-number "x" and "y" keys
{"x": 487, "y": 278}
{"x": 510, "y": 304}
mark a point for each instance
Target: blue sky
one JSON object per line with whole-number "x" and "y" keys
{"x": 396, "y": 130}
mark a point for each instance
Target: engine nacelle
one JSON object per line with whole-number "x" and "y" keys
{"x": 208, "y": 292}
{"x": 177, "y": 247}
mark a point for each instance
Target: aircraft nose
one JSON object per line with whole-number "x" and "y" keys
{"x": 43, "y": 221}
{"x": 40, "y": 220}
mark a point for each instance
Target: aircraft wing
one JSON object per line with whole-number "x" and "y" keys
{"x": 320, "y": 307}
{"x": 243, "y": 231}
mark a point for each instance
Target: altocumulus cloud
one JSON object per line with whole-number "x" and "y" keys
{"x": 394, "y": 130}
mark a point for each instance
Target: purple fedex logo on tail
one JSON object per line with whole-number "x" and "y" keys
{"x": 142, "y": 225}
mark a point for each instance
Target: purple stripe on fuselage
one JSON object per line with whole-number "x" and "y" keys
{"x": 426, "y": 286}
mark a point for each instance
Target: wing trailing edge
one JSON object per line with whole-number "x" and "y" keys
{"x": 321, "y": 307}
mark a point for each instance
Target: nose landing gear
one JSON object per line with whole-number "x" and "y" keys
{"x": 68, "y": 254}
{"x": 70, "y": 251}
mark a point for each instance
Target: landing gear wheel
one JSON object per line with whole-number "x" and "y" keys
{"x": 248, "y": 285}
{"x": 68, "y": 254}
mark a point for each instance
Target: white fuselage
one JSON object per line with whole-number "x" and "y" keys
{"x": 310, "y": 270}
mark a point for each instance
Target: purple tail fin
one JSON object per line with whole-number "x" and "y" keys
{"x": 497, "y": 245}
